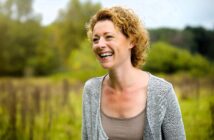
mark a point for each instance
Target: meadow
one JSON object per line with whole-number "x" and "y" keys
{"x": 60, "y": 58}
{"x": 50, "y": 108}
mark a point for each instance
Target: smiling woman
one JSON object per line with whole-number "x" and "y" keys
{"x": 127, "y": 103}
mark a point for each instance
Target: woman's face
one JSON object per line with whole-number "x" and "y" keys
{"x": 110, "y": 46}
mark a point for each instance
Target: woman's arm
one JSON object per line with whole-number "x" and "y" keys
{"x": 173, "y": 127}
{"x": 84, "y": 128}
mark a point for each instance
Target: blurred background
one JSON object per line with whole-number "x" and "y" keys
{"x": 45, "y": 58}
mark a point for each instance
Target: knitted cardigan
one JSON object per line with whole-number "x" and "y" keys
{"x": 163, "y": 119}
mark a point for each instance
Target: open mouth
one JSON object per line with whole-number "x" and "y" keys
{"x": 105, "y": 55}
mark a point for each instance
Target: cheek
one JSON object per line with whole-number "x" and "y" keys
{"x": 94, "y": 49}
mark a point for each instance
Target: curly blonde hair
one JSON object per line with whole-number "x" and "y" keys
{"x": 130, "y": 25}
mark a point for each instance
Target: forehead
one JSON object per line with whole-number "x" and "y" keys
{"x": 104, "y": 26}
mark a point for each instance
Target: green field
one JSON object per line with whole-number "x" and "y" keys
{"x": 43, "y": 109}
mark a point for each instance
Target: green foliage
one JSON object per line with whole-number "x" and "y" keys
{"x": 28, "y": 48}
{"x": 47, "y": 58}
{"x": 71, "y": 25}
{"x": 181, "y": 38}
{"x": 83, "y": 63}
{"x": 194, "y": 39}
{"x": 17, "y": 9}
{"x": 24, "y": 47}
{"x": 166, "y": 58}
{"x": 204, "y": 41}
{"x": 196, "y": 114}
{"x": 55, "y": 119}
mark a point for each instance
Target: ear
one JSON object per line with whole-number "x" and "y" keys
{"x": 131, "y": 45}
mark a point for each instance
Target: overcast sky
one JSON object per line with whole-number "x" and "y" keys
{"x": 153, "y": 13}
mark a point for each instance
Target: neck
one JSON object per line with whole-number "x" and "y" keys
{"x": 122, "y": 78}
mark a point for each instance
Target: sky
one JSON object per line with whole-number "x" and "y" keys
{"x": 153, "y": 13}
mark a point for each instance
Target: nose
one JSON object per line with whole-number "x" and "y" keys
{"x": 101, "y": 43}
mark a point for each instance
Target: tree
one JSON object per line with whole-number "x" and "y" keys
{"x": 204, "y": 41}
{"x": 165, "y": 58}
{"x": 193, "y": 39}
{"x": 24, "y": 43}
{"x": 17, "y": 9}
{"x": 70, "y": 26}
{"x": 83, "y": 64}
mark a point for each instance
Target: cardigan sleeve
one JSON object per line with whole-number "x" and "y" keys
{"x": 173, "y": 127}
{"x": 84, "y": 114}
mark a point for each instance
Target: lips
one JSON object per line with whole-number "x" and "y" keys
{"x": 105, "y": 54}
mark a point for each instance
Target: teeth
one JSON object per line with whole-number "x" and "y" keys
{"x": 106, "y": 54}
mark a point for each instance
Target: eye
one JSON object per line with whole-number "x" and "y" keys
{"x": 108, "y": 37}
{"x": 95, "y": 40}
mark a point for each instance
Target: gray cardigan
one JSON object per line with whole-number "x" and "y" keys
{"x": 163, "y": 119}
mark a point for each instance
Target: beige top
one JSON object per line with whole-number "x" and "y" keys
{"x": 124, "y": 129}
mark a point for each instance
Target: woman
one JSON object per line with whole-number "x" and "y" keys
{"x": 127, "y": 103}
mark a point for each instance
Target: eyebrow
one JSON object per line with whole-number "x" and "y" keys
{"x": 104, "y": 34}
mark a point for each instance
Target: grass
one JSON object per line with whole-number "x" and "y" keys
{"x": 49, "y": 116}
{"x": 197, "y": 117}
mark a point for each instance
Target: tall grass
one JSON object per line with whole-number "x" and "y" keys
{"x": 43, "y": 109}
{"x": 39, "y": 110}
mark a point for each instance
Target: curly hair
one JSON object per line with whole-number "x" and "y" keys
{"x": 130, "y": 25}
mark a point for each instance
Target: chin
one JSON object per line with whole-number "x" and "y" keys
{"x": 107, "y": 66}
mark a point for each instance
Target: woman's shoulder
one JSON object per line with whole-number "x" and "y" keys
{"x": 160, "y": 91}
{"x": 93, "y": 85}
{"x": 94, "y": 81}
{"x": 159, "y": 84}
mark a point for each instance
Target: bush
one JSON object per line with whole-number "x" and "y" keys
{"x": 83, "y": 64}
{"x": 165, "y": 58}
